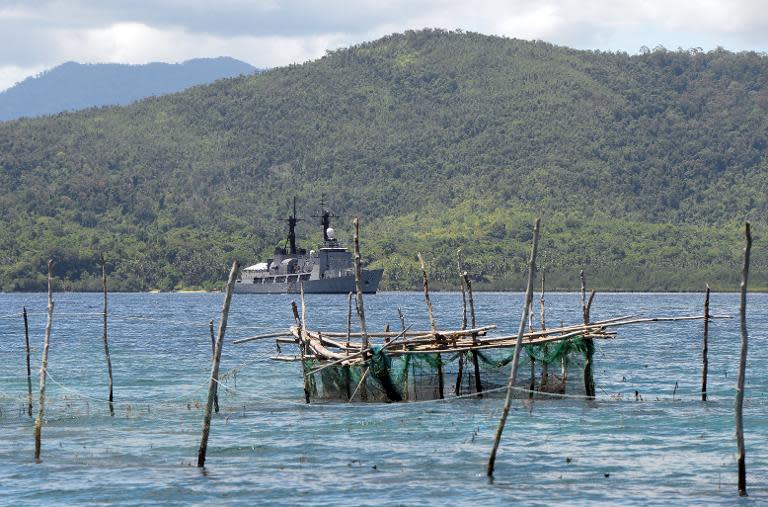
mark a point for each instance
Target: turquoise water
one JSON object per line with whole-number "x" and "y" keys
{"x": 268, "y": 447}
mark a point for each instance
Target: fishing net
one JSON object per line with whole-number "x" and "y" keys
{"x": 546, "y": 369}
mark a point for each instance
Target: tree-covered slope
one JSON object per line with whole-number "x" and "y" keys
{"x": 72, "y": 86}
{"x": 641, "y": 167}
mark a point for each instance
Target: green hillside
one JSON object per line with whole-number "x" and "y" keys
{"x": 642, "y": 168}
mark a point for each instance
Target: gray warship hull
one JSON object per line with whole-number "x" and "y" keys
{"x": 290, "y": 284}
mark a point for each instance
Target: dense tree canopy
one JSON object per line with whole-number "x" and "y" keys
{"x": 642, "y": 167}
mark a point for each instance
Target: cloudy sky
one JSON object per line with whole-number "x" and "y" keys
{"x": 39, "y": 34}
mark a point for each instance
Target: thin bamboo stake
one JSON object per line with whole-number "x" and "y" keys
{"x": 360, "y": 306}
{"x": 213, "y": 381}
{"x": 460, "y": 373}
{"x": 402, "y": 318}
{"x": 262, "y": 337}
{"x": 589, "y": 378}
{"x": 544, "y": 366}
{"x": 743, "y": 366}
{"x": 303, "y": 307}
{"x": 44, "y": 365}
{"x": 359, "y": 284}
{"x": 213, "y": 355}
{"x": 518, "y": 347}
{"x": 104, "y": 335}
{"x": 475, "y": 362}
{"x": 349, "y": 318}
{"x": 705, "y": 348}
{"x": 433, "y": 325}
{"x": 29, "y": 367}
{"x": 302, "y": 346}
{"x": 360, "y": 385}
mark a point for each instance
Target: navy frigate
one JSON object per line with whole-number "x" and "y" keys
{"x": 327, "y": 270}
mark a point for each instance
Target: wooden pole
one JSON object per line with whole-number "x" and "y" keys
{"x": 475, "y": 362}
{"x": 215, "y": 366}
{"x": 433, "y": 325}
{"x": 518, "y": 347}
{"x": 743, "y": 366}
{"x": 302, "y": 345}
{"x": 29, "y": 367}
{"x": 460, "y": 373}
{"x": 213, "y": 355}
{"x": 359, "y": 284}
{"x": 360, "y": 307}
{"x": 589, "y": 377}
{"x": 44, "y": 365}
{"x": 705, "y": 348}
{"x": 349, "y": 319}
{"x": 544, "y": 365}
{"x": 104, "y": 335}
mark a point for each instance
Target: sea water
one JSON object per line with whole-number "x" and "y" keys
{"x": 647, "y": 439}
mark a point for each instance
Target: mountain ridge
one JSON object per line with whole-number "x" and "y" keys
{"x": 73, "y": 86}
{"x": 438, "y": 139}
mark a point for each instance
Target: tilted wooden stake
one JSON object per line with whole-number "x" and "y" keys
{"x": 433, "y": 324}
{"x": 29, "y": 367}
{"x": 44, "y": 365}
{"x": 705, "y": 348}
{"x": 743, "y": 366}
{"x": 518, "y": 347}
{"x": 213, "y": 354}
{"x": 215, "y": 366}
{"x": 104, "y": 336}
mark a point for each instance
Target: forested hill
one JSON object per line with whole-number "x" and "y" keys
{"x": 72, "y": 86}
{"x": 642, "y": 168}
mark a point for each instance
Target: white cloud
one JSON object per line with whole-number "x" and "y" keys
{"x": 268, "y": 33}
{"x": 139, "y": 43}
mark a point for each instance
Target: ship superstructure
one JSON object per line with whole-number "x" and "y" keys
{"x": 330, "y": 269}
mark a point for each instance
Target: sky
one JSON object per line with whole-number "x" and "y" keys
{"x": 39, "y": 34}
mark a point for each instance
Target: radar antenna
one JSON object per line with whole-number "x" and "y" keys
{"x": 325, "y": 219}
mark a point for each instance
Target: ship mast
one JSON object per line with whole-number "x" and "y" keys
{"x": 292, "y": 221}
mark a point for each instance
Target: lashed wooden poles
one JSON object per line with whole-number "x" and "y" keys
{"x": 589, "y": 378}
{"x": 44, "y": 364}
{"x": 518, "y": 347}
{"x": 29, "y": 367}
{"x": 302, "y": 346}
{"x": 213, "y": 381}
{"x": 475, "y": 362}
{"x": 433, "y": 325}
{"x": 213, "y": 354}
{"x": 104, "y": 336}
{"x": 460, "y": 373}
{"x": 705, "y": 348}
{"x": 742, "y": 466}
